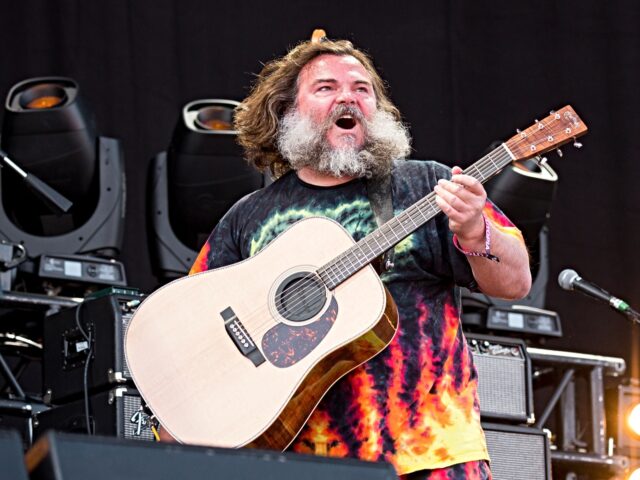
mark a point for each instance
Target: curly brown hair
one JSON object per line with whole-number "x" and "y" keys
{"x": 258, "y": 117}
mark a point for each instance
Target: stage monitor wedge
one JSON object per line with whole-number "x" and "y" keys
{"x": 58, "y": 456}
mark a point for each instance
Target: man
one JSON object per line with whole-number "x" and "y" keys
{"x": 319, "y": 118}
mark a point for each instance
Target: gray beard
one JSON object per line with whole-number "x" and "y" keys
{"x": 303, "y": 143}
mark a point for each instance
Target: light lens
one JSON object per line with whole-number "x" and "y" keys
{"x": 44, "y": 102}
{"x": 633, "y": 420}
{"x": 215, "y": 118}
{"x": 635, "y": 475}
{"x": 43, "y": 96}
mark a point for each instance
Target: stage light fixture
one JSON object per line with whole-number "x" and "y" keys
{"x": 628, "y": 416}
{"x": 194, "y": 183}
{"x": 633, "y": 419}
{"x": 49, "y": 132}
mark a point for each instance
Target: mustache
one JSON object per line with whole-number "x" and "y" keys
{"x": 342, "y": 110}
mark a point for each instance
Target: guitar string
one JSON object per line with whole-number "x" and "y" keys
{"x": 480, "y": 166}
{"x": 338, "y": 267}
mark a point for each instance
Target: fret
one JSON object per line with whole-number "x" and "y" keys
{"x": 375, "y": 237}
{"x": 407, "y": 216}
{"x": 491, "y": 158}
{"x": 479, "y": 172}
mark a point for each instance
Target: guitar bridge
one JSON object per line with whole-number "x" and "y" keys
{"x": 242, "y": 340}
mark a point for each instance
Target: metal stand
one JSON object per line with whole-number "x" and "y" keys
{"x": 577, "y": 450}
{"x": 11, "y": 379}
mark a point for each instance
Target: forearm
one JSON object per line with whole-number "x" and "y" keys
{"x": 510, "y": 277}
{"x": 463, "y": 200}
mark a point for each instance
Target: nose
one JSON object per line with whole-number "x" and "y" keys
{"x": 346, "y": 96}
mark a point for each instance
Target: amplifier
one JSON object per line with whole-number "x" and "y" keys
{"x": 117, "y": 412}
{"x": 103, "y": 318}
{"x": 58, "y": 456}
{"x": 504, "y": 378}
{"x": 518, "y": 453}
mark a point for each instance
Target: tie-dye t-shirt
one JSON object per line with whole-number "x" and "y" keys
{"x": 415, "y": 404}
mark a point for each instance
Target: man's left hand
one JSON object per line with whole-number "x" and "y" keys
{"x": 462, "y": 199}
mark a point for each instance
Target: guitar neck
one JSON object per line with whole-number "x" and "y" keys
{"x": 404, "y": 224}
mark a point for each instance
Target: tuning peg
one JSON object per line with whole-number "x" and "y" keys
{"x": 540, "y": 160}
{"x": 577, "y": 144}
{"x": 559, "y": 152}
{"x": 536, "y": 120}
{"x": 551, "y": 112}
{"x": 518, "y": 130}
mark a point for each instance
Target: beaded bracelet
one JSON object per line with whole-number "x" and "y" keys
{"x": 487, "y": 244}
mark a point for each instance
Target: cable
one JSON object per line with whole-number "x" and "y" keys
{"x": 19, "y": 341}
{"x": 87, "y": 412}
{"x": 87, "y": 363}
{"x": 156, "y": 435}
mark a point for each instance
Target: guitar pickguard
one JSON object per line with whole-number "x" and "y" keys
{"x": 285, "y": 345}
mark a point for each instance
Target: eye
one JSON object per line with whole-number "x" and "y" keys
{"x": 324, "y": 88}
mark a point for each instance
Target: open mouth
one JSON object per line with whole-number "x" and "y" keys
{"x": 346, "y": 122}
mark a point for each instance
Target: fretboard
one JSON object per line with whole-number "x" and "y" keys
{"x": 402, "y": 225}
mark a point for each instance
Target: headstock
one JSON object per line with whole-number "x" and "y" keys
{"x": 551, "y": 132}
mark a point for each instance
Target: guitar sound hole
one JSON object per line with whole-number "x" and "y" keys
{"x": 300, "y": 296}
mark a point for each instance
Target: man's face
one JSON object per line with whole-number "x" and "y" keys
{"x": 329, "y": 81}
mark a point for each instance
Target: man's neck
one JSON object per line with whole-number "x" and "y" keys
{"x": 313, "y": 177}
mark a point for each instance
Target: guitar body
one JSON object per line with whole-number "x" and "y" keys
{"x": 242, "y": 355}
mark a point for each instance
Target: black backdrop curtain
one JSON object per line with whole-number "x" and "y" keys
{"x": 463, "y": 73}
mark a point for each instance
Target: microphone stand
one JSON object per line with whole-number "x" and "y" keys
{"x": 624, "y": 308}
{"x": 633, "y": 316}
{"x": 54, "y": 200}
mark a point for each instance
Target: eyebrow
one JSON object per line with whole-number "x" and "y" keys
{"x": 333, "y": 80}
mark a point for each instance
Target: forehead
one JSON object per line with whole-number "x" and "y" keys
{"x": 329, "y": 66}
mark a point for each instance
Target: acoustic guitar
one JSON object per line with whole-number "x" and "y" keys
{"x": 241, "y": 355}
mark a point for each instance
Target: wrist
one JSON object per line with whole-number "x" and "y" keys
{"x": 486, "y": 246}
{"x": 474, "y": 237}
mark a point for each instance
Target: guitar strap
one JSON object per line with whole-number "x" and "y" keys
{"x": 379, "y": 192}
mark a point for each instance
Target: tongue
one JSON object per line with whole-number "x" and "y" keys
{"x": 346, "y": 123}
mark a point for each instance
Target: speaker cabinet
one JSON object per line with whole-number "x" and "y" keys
{"x": 59, "y": 456}
{"x": 504, "y": 378}
{"x": 518, "y": 453}
{"x": 106, "y": 316}
{"x": 117, "y": 412}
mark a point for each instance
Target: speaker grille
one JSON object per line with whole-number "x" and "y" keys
{"x": 518, "y": 455}
{"x": 136, "y": 421}
{"x": 501, "y": 385}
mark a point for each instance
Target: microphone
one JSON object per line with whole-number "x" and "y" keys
{"x": 570, "y": 280}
